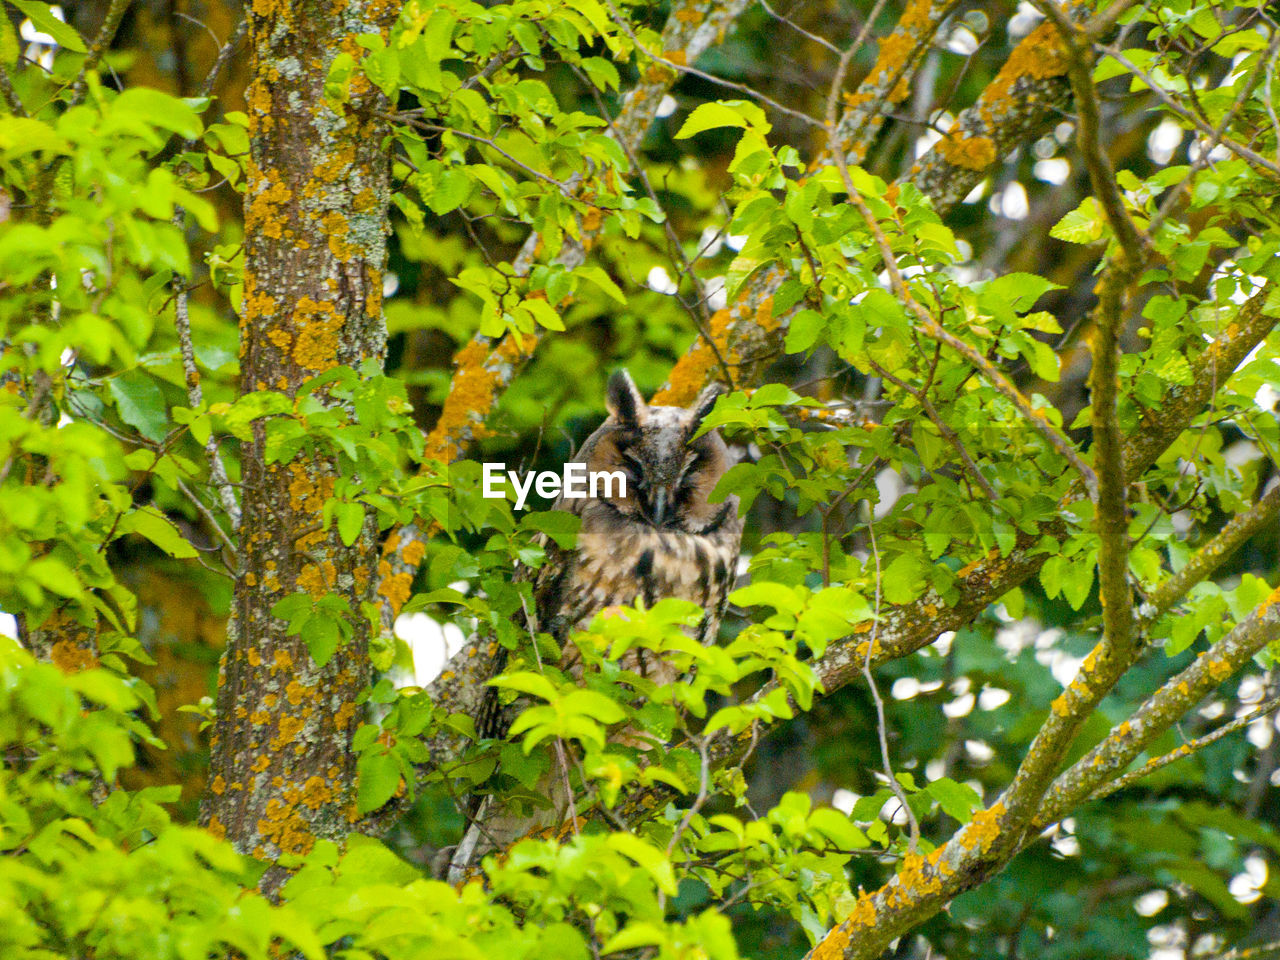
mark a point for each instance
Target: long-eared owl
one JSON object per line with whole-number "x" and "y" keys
{"x": 660, "y": 538}
{"x": 657, "y": 536}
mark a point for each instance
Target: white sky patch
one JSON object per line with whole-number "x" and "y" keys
{"x": 959, "y": 707}
{"x": 905, "y": 688}
{"x": 8, "y": 625}
{"x": 890, "y": 487}
{"x": 666, "y": 106}
{"x": 943, "y": 644}
{"x": 717, "y": 295}
{"x": 1026, "y": 19}
{"x": 1247, "y": 887}
{"x": 935, "y": 769}
{"x": 735, "y": 242}
{"x": 1010, "y": 202}
{"x": 431, "y": 642}
{"x": 1196, "y": 147}
{"x": 1260, "y": 733}
{"x": 711, "y": 242}
{"x": 1054, "y": 170}
{"x": 1163, "y": 141}
{"x": 925, "y": 142}
{"x": 843, "y": 800}
{"x": 660, "y": 281}
{"x": 979, "y": 751}
{"x": 1151, "y": 903}
{"x": 1064, "y": 131}
{"x": 976, "y": 194}
{"x": 962, "y": 40}
{"x": 993, "y": 698}
{"x": 390, "y": 284}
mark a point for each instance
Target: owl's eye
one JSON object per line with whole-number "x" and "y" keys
{"x": 632, "y": 462}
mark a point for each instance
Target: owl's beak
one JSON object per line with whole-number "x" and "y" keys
{"x": 659, "y": 506}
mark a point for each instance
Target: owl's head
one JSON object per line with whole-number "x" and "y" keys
{"x": 670, "y": 474}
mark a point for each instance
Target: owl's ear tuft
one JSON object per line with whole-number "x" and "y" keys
{"x": 700, "y": 407}
{"x": 622, "y": 399}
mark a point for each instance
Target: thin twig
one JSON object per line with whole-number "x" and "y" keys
{"x": 894, "y": 785}
{"x": 1238, "y": 149}
{"x": 107, "y": 32}
{"x": 709, "y": 77}
{"x": 1186, "y": 750}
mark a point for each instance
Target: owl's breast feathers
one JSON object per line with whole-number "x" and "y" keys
{"x": 619, "y": 561}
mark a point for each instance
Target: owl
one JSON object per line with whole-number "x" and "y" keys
{"x": 657, "y": 535}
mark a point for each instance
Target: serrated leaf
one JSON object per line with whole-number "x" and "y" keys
{"x": 42, "y": 19}
{"x": 151, "y": 523}
{"x": 140, "y": 403}
{"x": 379, "y": 775}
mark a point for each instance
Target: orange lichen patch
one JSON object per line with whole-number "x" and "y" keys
{"x": 295, "y": 692}
{"x": 591, "y": 221}
{"x": 1219, "y": 669}
{"x": 980, "y": 832}
{"x": 255, "y": 658}
{"x": 268, "y": 194}
{"x": 256, "y": 304}
{"x": 659, "y": 74}
{"x": 317, "y": 323}
{"x": 677, "y": 56}
{"x": 218, "y": 785}
{"x": 216, "y": 828}
{"x": 340, "y": 161}
{"x": 260, "y": 718}
{"x": 316, "y": 792}
{"x": 472, "y": 393}
{"x": 71, "y": 657}
{"x": 283, "y": 662}
{"x": 361, "y": 576}
{"x": 342, "y": 717}
{"x": 287, "y": 730}
{"x": 337, "y": 228}
{"x": 917, "y": 16}
{"x": 1123, "y": 729}
{"x": 690, "y": 14}
{"x": 260, "y": 764}
{"x": 316, "y": 579}
{"x": 971, "y": 153}
{"x": 395, "y": 587}
{"x": 281, "y": 338}
{"x": 1061, "y": 705}
{"x": 914, "y": 880}
{"x": 1038, "y": 56}
{"x": 690, "y": 374}
{"x": 414, "y": 552}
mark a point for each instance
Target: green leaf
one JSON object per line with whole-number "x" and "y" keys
{"x": 44, "y": 21}
{"x": 650, "y": 858}
{"x": 350, "y": 520}
{"x": 602, "y": 280}
{"x": 140, "y": 403}
{"x": 1082, "y": 225}
{"x": 155, "y": 526}
{"x": 379, "y": 774}
{"x": 957, "y": 800}
{"x": 534, "y": 684}
{"x": 710, "y": 116}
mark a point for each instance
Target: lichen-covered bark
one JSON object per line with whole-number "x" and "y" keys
{"x": 282, "y": 770}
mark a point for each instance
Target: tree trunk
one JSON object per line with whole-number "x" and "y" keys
{"x": 317, "y": 188}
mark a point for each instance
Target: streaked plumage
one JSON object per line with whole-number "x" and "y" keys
{"x": 662, "y": 539}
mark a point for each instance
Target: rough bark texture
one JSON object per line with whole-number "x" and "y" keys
{"x": 282, "y": 768}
